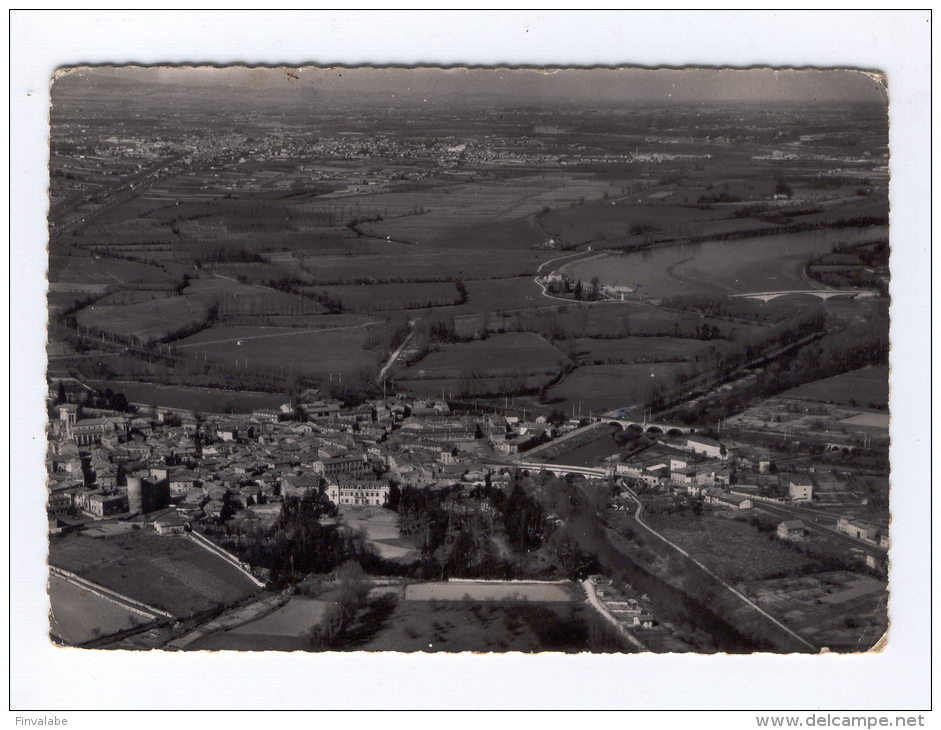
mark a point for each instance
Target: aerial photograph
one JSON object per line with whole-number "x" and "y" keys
{"x": 382, "y": 359}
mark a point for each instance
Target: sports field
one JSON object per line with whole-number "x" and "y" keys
{"x": 490, "y": 626}
{"x": 77, "y": 615}
{"x": 169, "y": 572}
{"x": 462, "y": 590}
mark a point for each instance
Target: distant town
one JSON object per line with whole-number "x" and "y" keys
{"x": 327, "y": 375}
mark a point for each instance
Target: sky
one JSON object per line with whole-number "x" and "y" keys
{"x": 524, "y": 85}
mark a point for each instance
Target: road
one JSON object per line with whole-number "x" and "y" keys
{"x": 395, "y": 355}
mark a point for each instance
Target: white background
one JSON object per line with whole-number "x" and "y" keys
{"x": 46, "y": 680}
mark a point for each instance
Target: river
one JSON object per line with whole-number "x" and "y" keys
{"x": 760, "y": 263}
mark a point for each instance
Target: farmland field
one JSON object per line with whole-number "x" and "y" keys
{"x": 206, "y": 400}
{"x": 309, "y": 352}
{"x": 866, "y": 386}
{"x": 507, "y": 355}
{"x": 408, "y": 264}
{"x": 484, "y": 214}
{"x": 78, "y": 615}
{"x": 623, "y": 319}
{"x": 109, "y": 271}
{"x": 167, "y": 572}
{"x": 631, "y": 222}
{"x": 385, "y": 297}
{"x": 148, "y": 321}
{"x": 735, "y": 550}
{"x": 644, "y": 350}
{"x": 133, "y": 296}
{"x": 234, "y": 298}
{"x": 602, "y": 387}
{"x": 831, "y": 609}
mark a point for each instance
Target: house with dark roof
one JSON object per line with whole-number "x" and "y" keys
{"x": 791, "y": 530}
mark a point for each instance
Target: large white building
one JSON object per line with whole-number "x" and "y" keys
{"x": 358, "y": 492}
{"x": 705, "y": 446}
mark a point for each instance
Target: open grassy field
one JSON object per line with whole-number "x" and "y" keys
{"x": 318, "y": 353}
{"x": 867, "y": 386}
{"x": 502, "y": 294}
{"x": 260, "y": 273}
{"x": 624, "y": 319}
{"x": 507, "y": 355}
{"x": 78, "y": 615}
{"x": 452, "y": 228}
{"x": 735, "y": 550}
{"x": 206, "y": 400}
{"x": 167, "y": 572}
{"x": 124, "y": 297}
{"x": 148, "y": 321}
{"x": 638, "y": 221}
{"x": 104, "y": 270}
{"x": 232, "y": 298}
{"x": 603, "y": 387}
{"x": 486, "y": 213}
{"x": 471, "y": 387}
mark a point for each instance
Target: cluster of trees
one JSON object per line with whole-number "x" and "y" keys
{"x": 350, "y": 592}
{"x": 524, "y": 520}
{"x": 456, "y": 542}
{"x": 856, "y": 346}
{"x": 298, "y": 544}
{"x": 292, "y": 285}
{"x": 578, "y": 290}
{"x": 722, "y": 197}
{"x": 104, "y": 400}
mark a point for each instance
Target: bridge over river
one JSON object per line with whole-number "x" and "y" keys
{"x": 622, "y": 418}
{"x": 767, "y": 296}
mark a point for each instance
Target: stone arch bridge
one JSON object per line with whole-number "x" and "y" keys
{"x": 651, "y": 428}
